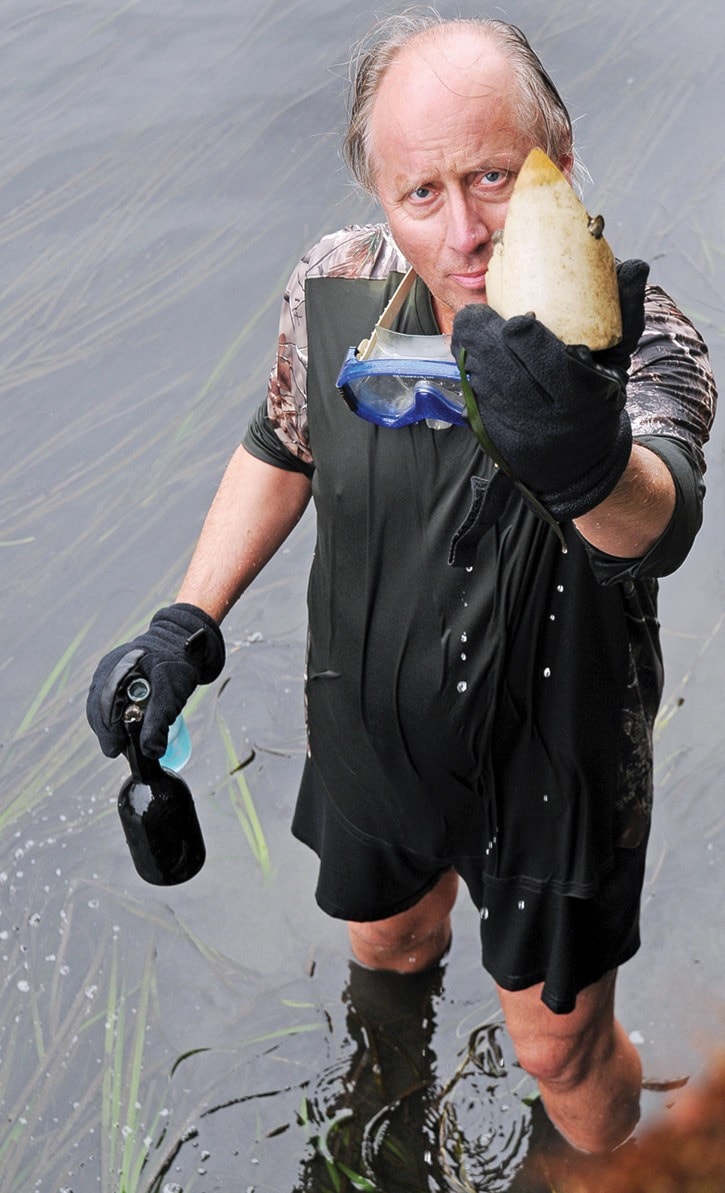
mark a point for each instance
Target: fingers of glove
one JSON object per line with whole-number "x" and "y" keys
{"x": 172, "y": 682}
{"x": 505, "y": 358}
{"x": 631, "y": 280}
{"x": 605, "y": 384}
{"x": 113, "y": 693}
{"x": 543, "y": 378}
{"x": 106, "y": 697}
{"x": 471, "y": 330}
{"x": 112, "y": 740}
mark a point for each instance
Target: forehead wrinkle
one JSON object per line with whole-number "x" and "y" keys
{"x": 485, "y": 57}
{"x": 404, "y": 88}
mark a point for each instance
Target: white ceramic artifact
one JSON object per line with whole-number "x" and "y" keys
{"x": 552, "y": 259}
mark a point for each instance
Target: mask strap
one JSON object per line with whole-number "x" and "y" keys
{"x": 366, "y": 347}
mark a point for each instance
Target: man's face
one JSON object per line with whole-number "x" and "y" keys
{"x": 446, "y": 148}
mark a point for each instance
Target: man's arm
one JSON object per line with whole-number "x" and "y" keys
{"x": 255, "y": 508}
{"x": 634, "y": 515}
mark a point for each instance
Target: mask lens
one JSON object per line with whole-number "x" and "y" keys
{"x": 387, "y": 395}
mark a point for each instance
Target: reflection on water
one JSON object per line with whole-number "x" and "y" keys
{"x": 163, "y": 167}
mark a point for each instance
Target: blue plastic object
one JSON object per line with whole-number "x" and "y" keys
{"x": 178, "y": 746}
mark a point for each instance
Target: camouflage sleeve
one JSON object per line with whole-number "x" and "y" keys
{"x": 671, "y": 400}
{"x": 353, "y": 252}
{"x": 671, "y": 389}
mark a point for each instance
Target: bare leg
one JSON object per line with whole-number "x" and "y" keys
{"x": 587, "y": 1069}
{"x": 413, "y": 940}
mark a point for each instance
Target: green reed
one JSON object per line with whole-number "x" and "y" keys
{"x": 243, "y": 804}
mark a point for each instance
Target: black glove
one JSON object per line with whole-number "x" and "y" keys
{"x": 182, "y": 647}
{"x": 555, "y": 413}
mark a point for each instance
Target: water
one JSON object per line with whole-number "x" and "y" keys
{"x": 163, "y": 166}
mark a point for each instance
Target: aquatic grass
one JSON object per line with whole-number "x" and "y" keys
{"x": 203, "y": 1110}
{"x": 198, "y": 407}
{"x": 67, "y": 300}
{"x": 56, "y": 679}
{"x": 677, "y": 699}
{"x": 29, "y": 1105}
{"x": 243, "y": 804}
{"x": 121, "y": 1099}
{"x": 113, "y": 16}
{"x": 29, "y": 767}
{"x": 319, "y": 1140}
{"x": 122, "y": 1108}
{"x": 166, "y": 919}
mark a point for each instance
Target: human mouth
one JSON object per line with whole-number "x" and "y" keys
{"x": 471, "y": 281}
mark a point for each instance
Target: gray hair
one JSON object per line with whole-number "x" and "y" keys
{"x": 540, "y": 107}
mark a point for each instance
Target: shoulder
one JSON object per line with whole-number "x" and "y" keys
{"x": 358, "y": 251}
{"x": 664, "y": 321}
{"x": 671, "y": 389}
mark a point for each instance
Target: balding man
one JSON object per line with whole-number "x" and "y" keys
{"x": 490, "y": 721}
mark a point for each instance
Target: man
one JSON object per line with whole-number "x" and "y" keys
{"x": 491, "y": 721}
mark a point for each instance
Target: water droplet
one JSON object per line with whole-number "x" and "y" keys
{"x": 464, "y": 637}
{"x": 547, "y": 672}
{"x": 522, "y": 904}
{"x": 470, "y": 569}
{"x": 24, "y": 987}
{"x": 552, "y": 617}
{"x": 560, "y": 588}
{"x": 546, "y": 799}
{"x": 461, "y": 686}
{"x": 464, "y": 656}
{"x": 484, "y": 913}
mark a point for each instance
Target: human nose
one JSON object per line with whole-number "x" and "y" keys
{"x": 467, "y": 227}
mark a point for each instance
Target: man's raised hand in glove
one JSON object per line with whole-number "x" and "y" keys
{"x": 183, "y": 647}
{"x": 555, "y": 413}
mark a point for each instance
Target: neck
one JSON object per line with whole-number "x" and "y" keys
{"x": 444, "y": 315}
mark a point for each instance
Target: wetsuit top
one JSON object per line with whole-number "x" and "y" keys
{"x": 504, "y": 711}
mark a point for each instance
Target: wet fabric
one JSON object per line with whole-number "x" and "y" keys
{"x": 501, "y": 713}
{"x": 527, "y": 936}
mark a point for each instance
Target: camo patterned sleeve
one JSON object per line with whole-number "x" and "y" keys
{"x": 671, "y": 400}
{"x": 354, "y": 252}
{"x": 671, "y": 389}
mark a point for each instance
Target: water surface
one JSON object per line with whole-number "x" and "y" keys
{"x": 164, "y": 164}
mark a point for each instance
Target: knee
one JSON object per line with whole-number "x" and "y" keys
{"x": 411, "y": 940}
{"x": 564, "y": 1061}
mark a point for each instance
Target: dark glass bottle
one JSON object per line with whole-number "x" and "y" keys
{"x": 156, "y": 809}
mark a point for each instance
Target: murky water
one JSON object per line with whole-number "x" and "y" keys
{"x": 164, "y": 163}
